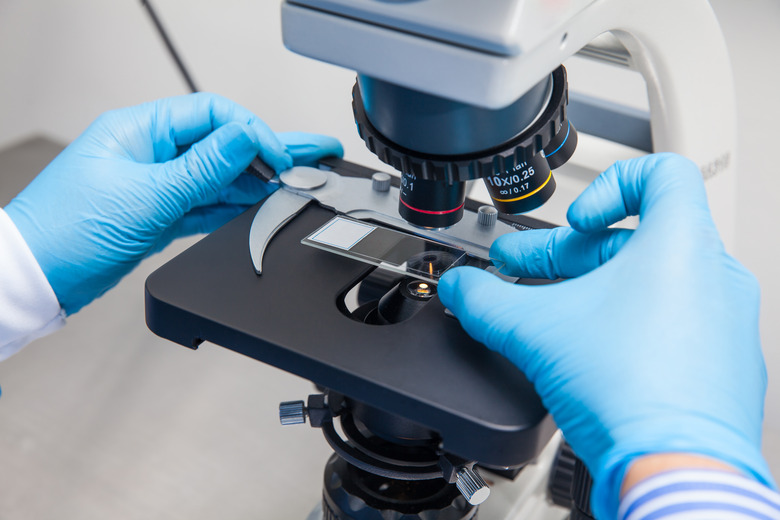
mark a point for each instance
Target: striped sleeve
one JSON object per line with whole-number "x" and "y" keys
{"x": 699, "y": 495}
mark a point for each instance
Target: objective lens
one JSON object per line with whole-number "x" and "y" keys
{"x": 449, "y": 143}
{"x": 526, "y": 187}
{"x": 431, "y": 204}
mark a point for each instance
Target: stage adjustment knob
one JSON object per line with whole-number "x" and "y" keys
{"x": 487, "y": 216}
{"x": 381, "y": 181}
{"x": 292, "y": 412}
{"x": 472, "y": 486}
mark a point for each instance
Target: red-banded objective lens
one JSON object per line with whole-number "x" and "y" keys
{"x": 431, "y": 204}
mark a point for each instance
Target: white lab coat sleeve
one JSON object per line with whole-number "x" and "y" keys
{"x": 28, "y": 306}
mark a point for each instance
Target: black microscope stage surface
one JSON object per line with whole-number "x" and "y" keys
{"x": 425, "y": 369}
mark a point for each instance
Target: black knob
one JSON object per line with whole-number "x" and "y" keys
{"x": 570, "y": 484}
{"x": 562, "y": 476}
{"x": 353, "y": 494}
{"x": 581, "y": 490}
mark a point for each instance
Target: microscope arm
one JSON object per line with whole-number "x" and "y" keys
{"x": 680, "y": 51}
{"x": 677, "y": 47}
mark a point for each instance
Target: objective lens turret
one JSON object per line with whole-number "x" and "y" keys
{"x": 438, "y": 144}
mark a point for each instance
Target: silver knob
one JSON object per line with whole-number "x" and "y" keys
{"x": 487, "y": 216}
{"x": 380, "y": 181}
{"x": 471, "y": 486}
{"x": 303, "y": 178}
{"x": 292, "y": 412}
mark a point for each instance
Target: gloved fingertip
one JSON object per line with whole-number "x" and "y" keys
{"x": 573, "y": 216}
{"x": 582, "y": 217}
{"x": 454, "y": 285}
{"x": 501, "y": 266}
{"x": 248, "y": 130}
{"x": 240, "y": 137}
{"x": 499, "y": 260}
{"x": 447, "y": 284}
{"x": 618, "y": 239}
{"x": 307, "y": 149}
{"x": 333, "y": 147}
{"x": 207, "y": 167}
{"x": 272, "y": 150}
{"x": 235, "y": 142}
{"x": 601, "y": 204}
{"x": 278, "y": 160}
{"x": 289, "y": 160}
{"x": 498, "y": 249}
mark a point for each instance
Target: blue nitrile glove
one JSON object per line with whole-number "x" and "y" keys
{"x": 139, "y": 177}
{"x": 651, "y": 347}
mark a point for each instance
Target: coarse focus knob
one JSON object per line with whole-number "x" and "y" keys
{"x": 292, "y": 412}
{"x": 380, "y": 181}
{"x": 487, "y": 216}
{"x": 562, "y": 477}
{"x": 472, "y": 486}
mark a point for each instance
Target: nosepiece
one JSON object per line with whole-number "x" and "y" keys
{"x": 439, "y": 144}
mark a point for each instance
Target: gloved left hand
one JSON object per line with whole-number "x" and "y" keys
{"x": 139, "y": 177}
{"x": 651, "y": 346}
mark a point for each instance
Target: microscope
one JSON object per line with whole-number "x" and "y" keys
{"x": 333, "y": 276}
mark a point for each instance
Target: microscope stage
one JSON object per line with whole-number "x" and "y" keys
{"x": 425, "y": 369}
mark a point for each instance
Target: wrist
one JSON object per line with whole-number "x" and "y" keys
{"x": 670, "y": 434}
{"x": 648, "y": 466}
{"x": 704, "y": 493}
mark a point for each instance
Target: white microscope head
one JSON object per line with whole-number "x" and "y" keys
{"x": 489, "y": 54}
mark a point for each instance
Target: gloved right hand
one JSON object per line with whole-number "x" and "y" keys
{"x": 141, "y": 176}
{"x": 651, "y": 346}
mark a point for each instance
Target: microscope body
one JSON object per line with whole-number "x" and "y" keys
{"x": 489, "y": 54}
{"x": 448, "y": 81}
{"x": 418, "y": 400}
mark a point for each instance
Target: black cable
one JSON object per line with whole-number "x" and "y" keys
{"x": 169, "y": 45}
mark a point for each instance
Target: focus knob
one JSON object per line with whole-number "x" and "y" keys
{"x": 487, "y": 216}
{"x": 380, "y": 182}
{"x": 472, "y": 486}
{"x": 292, "y": 412}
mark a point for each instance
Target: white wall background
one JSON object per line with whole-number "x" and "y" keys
{"x": 63, "y": 63}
